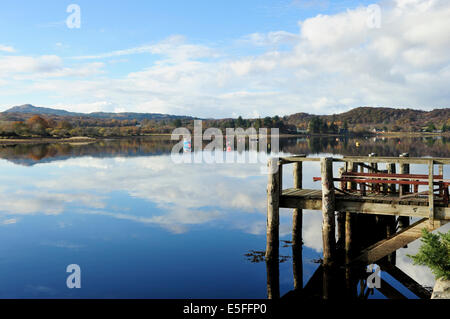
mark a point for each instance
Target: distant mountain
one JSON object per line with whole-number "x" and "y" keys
{"x": 378, "y": 116}
{"x": 360, "y": 116}
{"x": 30, "y": 109}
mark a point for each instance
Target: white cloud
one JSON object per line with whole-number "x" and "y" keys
{"x": 273, "y": 38}
{"x": 47, "y": 66}
{"x": 8, "y": 49}
{"x": 173, "y": 48}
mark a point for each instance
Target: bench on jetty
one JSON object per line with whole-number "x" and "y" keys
{"x": 363, "y": 187}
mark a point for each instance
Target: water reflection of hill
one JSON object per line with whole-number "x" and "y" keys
{"x": 30, "y": 154}
{"x": 416, "y": 147}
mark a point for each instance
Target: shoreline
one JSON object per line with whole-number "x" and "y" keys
{"x": 83, "y": 139}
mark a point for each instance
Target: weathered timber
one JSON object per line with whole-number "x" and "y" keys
{"x": 366, "y": 219}
{"x": 399, "y": 240}
{"x": 273, "y": 211}
{"x": 404, "y": 169}
{"x": 312, "y": 199}
{"x": 328, "y": 209}
{"x": 431, "y": 192}
{"x": 273, "y": 223}
{"x": 297, "y": 240}
{"x": 399, "y": 160}
{"x": 348, "y": 236}
{"x": 273, "y": 278}
{"x": 340, "y": 217}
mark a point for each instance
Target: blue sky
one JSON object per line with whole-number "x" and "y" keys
{"x": 224, "y": 58}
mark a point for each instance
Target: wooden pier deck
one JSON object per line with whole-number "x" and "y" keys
{"x": 381, "y": 204}
{"x": 382, "y": 200}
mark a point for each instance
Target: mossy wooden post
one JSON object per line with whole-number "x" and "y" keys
{"x": 297, "y": 240}
{"x": 351, "y": 167}
{"x": 273, "y": 279}
{"x": 374, "y": 170}
{"x": 390, "y": 224}
{"x": 441, "y": 172}
{"x": 328, "y": 209}
{"x": 341, "y": 217}
{"x": 391, "y": 170}
{"x": 403, "y": 221}
{"x": 431, "y": 192}
{"x": 273, "y": 223}
{"x": 404, "y": 169}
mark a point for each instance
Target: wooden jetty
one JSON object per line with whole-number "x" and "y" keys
{"x": 371, "y": 205}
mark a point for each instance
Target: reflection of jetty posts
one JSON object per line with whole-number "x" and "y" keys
{"x": 376, "y": 197}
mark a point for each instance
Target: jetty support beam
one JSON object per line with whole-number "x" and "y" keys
{"x": 273, "y": 224}
{"x": 328, "y": 209}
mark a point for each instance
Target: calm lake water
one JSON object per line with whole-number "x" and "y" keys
{"x": 141, "y": 226}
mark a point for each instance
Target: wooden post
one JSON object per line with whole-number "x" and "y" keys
{"x": 328, "y": 208}
{"x": 351, "y": 167}
{"x": 297, "y": 240}
{"x": 404, "y": 169}
{"x": 341, "y": 215}
{"x": 374, "y": 170}
{"x": 273, "y": 223}
{"x": 403, "y": 221}
{"x": 273, "y": 279}
{"x": 390, "y": 220}
{"x": 431, "y": 192}
{"x": 273, "y": 210}
{"x": 348, "y": 237}
{"x": 391, "y": 170}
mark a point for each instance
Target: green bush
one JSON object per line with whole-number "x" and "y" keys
{"x": 435, "y": 253}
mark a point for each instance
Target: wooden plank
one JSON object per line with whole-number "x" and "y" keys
{"x": 399, "y": 240}
{"x": 387, "y": 159}
{"x": 294, "y": 159}
{"x": 400, "y": 181}
{"x": 392, "y": 175}
{"x": 441, "y": 213}
{"x": 384, "y": 159}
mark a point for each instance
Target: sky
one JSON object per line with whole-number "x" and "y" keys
{"x": 225, "y": 58}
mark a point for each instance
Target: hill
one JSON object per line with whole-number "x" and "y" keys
{"x": 34, "y": 110}
{"x": 379, "y": 117}
{"x": 28, "y": 121}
